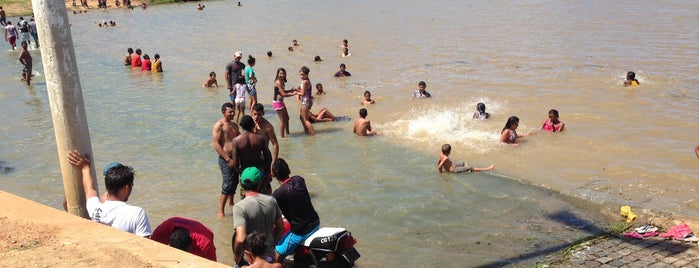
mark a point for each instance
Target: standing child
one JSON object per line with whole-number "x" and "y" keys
{"x": 238, "y": 97}
{"x": 127, "y": 58}
{"x": 157, "y": 65}
{"x": 251, "y": 80}
{"x": 211, "y": 82}
{"x": 145, "y": 64}
{"x": 445, "y": 163}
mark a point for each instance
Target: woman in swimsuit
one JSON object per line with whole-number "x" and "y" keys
{"x": 305, "y": 93}
{"x": 251, "y": 80}
{"x": 509, "y": 132}
{"x": 278, "y": 101}
{"x": 552, "y": 124}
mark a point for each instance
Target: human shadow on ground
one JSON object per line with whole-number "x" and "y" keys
{"x": 572, "y": 220}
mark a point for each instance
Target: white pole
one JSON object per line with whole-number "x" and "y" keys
{"x": 65, "y": 96}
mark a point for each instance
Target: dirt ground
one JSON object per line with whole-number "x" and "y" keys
{"x": 15, "y": 8}
{"x": 33, "y": 235}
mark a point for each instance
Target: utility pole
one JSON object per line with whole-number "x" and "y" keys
{"x": 65, "y": 96}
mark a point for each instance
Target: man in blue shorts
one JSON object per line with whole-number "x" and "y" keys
{"x": 295, "y": 203}
{"x": 223, "y": 133}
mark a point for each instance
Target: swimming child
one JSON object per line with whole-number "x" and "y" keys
{"x": 480, "y": 112}
{"x": 342, "y": 72}
{"x": 345, "y": 48}
{"x": 444, "y": 163}
{"x": 552, "y": 124}
{"x": 367, "y": 98}
{"x": 211, "y": 82}
{"x": 631, "y": 80}
{"x": 509, "y": 132}
{"x": 291, "y": 49}
{"x": 319, "y": 89}
{"x": 421, "y": 92}
{"x": 127, "y": 58}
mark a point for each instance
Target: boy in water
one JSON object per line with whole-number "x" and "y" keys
{"x": 446, "y": 164}
{"x": 631, "y": 79}
{"x": 367, "y": 98}
{"x": 421, "y": 92}
{"x": 211, "y": 82}
{"x": 319, "y": 89}
{"x": 362, "y": 126}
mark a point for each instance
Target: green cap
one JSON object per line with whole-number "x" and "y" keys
{"x": 251, "y": 176}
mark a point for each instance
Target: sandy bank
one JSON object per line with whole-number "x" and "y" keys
{"x": 34, "y": 235}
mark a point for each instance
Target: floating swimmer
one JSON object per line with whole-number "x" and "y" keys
{"x": 631, "y": 80}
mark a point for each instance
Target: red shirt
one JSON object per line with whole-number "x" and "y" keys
{"x": 202, "y": 237}
{"x": 135, "y": 60}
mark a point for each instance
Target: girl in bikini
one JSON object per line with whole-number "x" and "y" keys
{"x": 552, "y": 124}
{"x": 509, "y": 132}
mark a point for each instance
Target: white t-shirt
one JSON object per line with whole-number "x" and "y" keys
{"x": 119, "y": 215}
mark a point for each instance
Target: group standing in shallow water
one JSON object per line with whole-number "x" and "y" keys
{"x": 133, "y": 59}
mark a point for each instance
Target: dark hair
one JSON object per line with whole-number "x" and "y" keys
{"x": 255, "y": 243}
{"x": 630, "y": 76}
{"x": 553, "y": 112}
{"x": 277, "y": 76}
{"x": 342, "y": 65}
{"x": 251, "y": 59}
{"x": 422, "y": 83}
{"x": 180, "y": 239}
{"x": 363, "y": 113}
{"x": 212, "y": 74}
{"x": 240, "y": 80}
{"x": 344, "y": 41}
{"x": 367, "y": 91}
{"x": 247, "y": 123}
{"x": 305, "y": 70}
{"x": 317, "y": 58}
{"x": 480, "y": 107}
{"x": 117, "y": 177}
{"x": 269, "y": 53}
{"x": 280, "y": 169}
{"x": 138, "y": 51}
{"x": 513, "y": 120}
{"x": 146, "y": 57}
{"x": 258, "y": 107}
{"x": 156, "y": 56}
{"x": 227, "y": 105}
{"x": 130, "y": 50}
{"x": 446, "y": 148}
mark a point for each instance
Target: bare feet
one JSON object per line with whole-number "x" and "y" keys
{"x": 221, "y": 214}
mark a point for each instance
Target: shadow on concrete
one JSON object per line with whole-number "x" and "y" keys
{"x": 572, "y": 220}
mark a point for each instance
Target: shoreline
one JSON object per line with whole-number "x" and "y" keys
{"x": 18, "y": 9}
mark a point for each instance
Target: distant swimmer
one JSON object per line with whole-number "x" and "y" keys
{"x": 342, "y": 72}
{"x": 509, "y": 132}
{"x": 362, "y": 126}
{"x": 445, "y": 164}
{"x": 294, "y": 43}
{"x": 552, "y": 124}
{"x": 345, "y": 48}
{"x": 422, "y": 92}
{"x": 319, "y": 89}
{"x": 291, "y": 49}
{"x": 239, "y": 4}
{"x": 269, "y": 54}
{"x": 480, "y": 112}
{"x": 631, "y": 80}
{"x": 200, "y": 7}
{"x": 367, "y": 98}
{"x": 317, "y": 58}
{"x": 211, "y": 82}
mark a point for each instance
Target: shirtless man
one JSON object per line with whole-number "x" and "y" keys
{"x": 223, "y": 132}
{"x": 26, "y": 59}
{"x": 265, "y": 128}
{"x": 250, "y": 148}
{"x": 362, "y": 126}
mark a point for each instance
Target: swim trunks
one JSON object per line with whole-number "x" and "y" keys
{"x": 462, "y": 168}
{"x": 278, "y": 105}
{"x": 239, "y": 100}
{"x": 230, "y": 177}
{"x": 307, "y": 103}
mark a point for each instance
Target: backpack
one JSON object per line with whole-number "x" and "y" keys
{"x": 23, "y": 26}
